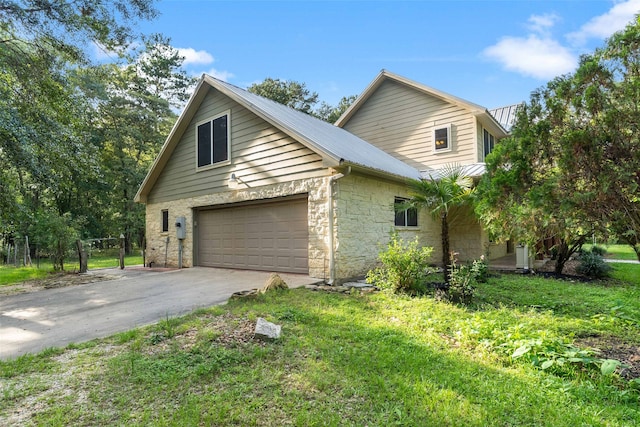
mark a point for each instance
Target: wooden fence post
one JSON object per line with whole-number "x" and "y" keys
{"x": 82, "y": 257}
{"x": 122, "y": 252}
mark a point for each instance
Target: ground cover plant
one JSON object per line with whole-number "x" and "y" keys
{"x": 353, "y": 359}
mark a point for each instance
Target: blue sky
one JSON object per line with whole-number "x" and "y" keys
{"x": 493, "y": 53}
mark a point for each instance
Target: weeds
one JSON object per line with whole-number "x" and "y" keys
{"x": 404, "y": 266}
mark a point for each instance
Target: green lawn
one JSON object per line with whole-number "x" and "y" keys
{"x": 618, "y": 252}
{"x": 10, "y": 275}
{"x": 351, "y": 360}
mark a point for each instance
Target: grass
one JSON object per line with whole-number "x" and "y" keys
{"x": 10, "y": 275}
{"x": 624, "y": 252}
{"x": 347, "y": 360}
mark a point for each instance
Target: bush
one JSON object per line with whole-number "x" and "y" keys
{"x": 593, "y": 265}
{"x": 404, "y": 266}
{"x": 462, "y": 283}
{"x": 598, "y": 250}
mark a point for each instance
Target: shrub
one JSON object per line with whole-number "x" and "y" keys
{"x": 480, "y": 269}
{"x": 462, "y": 283}
{"x": 404, "y": 266}
{"x": 465, "y": 278}
{"x": 593, "y": 265}
{"x": 598, "y": 250}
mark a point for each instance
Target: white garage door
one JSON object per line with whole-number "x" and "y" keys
{"x": 268, "y": 236}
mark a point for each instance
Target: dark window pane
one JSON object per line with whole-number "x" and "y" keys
{"x": 220, "y": 153}
{"x": 165, "y": 221}
{"x": 204, "y": 144}
{"x": 400, "y": 220}
{"x": 487, "y": 149}
{"x": 442, "y": 139}
{"x": 412, "y": 217}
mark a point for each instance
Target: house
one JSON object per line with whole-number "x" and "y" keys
{"x": 257, "y": 185}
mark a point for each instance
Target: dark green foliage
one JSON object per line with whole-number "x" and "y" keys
{"x": 572, "y": 161}
{"x": 593, "y": 265}
{"x": 405, "y": 266}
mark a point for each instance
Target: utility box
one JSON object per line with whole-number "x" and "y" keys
{"x": 181, "y": 228}
{"x": 522, "y": 257}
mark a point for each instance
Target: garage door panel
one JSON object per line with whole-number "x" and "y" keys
{"x": 270, "y": 236}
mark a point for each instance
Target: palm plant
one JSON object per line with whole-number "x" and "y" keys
{"x": 443, "y": 190}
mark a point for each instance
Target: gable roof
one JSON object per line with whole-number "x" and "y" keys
{"x": 336, "y": 146}
{"x": 384, "y": 75}
{"x": 506, "y": 115}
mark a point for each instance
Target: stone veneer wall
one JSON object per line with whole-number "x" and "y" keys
{"x": 316, "y": 188}
{"x": 469, "y": 239}
{"x": 363, "y": 220}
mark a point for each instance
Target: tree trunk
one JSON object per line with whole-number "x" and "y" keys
{"x": 82, "y": 257}
{"x": 446, "y": 256}
{"x": 562, "y": 257}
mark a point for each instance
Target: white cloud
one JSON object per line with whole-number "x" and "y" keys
{"x": 542, "y": 24}
{"x": 220, "y": 75}
{"x": 605, "y": 25}
{"x": 535, "y": 56}
{"x": 192, "y": 56}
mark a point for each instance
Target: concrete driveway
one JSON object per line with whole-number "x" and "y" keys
{"x": 31, "y": 322}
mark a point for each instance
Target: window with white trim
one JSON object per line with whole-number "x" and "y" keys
{"x": 442, "y": 139}
{"x": 489, "y": 142}
{"x": 212, "y": 141}
{"x": 405, "y": 217}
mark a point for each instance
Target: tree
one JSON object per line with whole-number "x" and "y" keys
{"x": 45, "y": 156}
{"x": 290, "y": 93}
{"x": 572, "y": 165}
{"x": 133, "y": 112}
{"x": 296, "y": 95}
{"x": 524, "y": 197}
{"x": 439, "y": 195}
{"x": 62, "y": 26}
{"x": 331, "y": 114}
{"x": 600, "y": 133}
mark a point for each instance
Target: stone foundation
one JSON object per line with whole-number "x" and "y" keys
{"x": 158, "y": 249}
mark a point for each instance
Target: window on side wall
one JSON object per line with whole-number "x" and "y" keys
{"x": 489, "y": 142}
{"x": 165, "y": 220}
{"x": 212, "y": 141}
{"x": 442, "y": 139}
{"x": 406, "y": 217}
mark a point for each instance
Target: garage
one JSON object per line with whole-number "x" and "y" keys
{"x": 271, "y": 236}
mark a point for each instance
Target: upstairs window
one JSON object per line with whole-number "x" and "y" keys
{"x": 165, "y": 220}
{"x": 489, "y": 142}
{"x": 213, "y": 141}
{"x": 406, "y": 217}
{"x": 442, "y": 139}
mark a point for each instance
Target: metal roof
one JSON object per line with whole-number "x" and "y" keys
{"x": 506, "y": 116}
{"x": 474, "y": 170}
{"x": 327, "y": 139}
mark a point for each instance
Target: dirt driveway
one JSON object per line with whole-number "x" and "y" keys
{"x": 33, "y": 321}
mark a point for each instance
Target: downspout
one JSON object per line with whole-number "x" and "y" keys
{"x": 332, "y": 255}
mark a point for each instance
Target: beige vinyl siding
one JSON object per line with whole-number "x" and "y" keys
{"x": 260, "y": 155}
{"x": 400, "y": 120}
